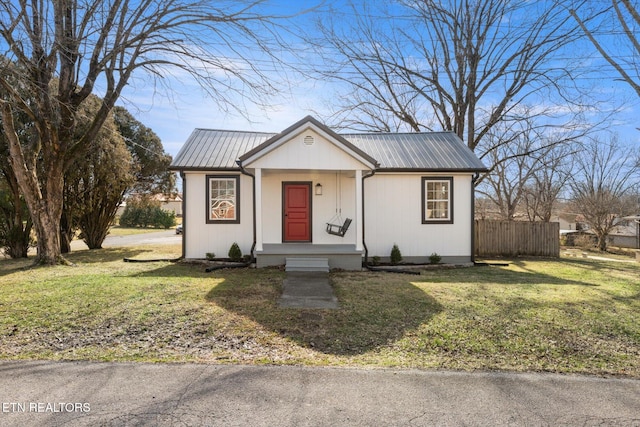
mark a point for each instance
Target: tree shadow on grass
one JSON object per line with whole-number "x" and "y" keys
{"x": 524, "y": 275}
{"x": 8, "y": 266}
{"x": 372, "y": 313}
{"x": 94, "y": 256}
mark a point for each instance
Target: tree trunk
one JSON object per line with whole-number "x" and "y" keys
{"x": 18, "y": 232}
{"x": 602, "y": 242}
{"x": 45, "y": 206}
{"x": 66, "y": 233}
{"x": 17, "y": 221}
{"x": 47, "y": 227}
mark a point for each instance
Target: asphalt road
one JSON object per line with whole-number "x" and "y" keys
{"x": 108, "y": 394}
{"x": 165, "y": 237}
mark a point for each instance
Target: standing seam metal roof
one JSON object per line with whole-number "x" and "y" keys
{"x": 208, "y": 149}
{"x": 420, "y": 151}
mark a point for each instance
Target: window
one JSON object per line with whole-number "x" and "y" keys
{"x": 223, "y": 195}
{"x": 437, "y": 200}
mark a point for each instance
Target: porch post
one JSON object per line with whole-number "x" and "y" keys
{"x": 258, "y": 208}
{"x": 359, "y": 246}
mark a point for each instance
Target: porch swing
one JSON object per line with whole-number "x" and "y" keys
{"x": 336, "y": 226}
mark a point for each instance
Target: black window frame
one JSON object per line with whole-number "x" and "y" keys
{"x": 208, "y": 218}
{"x": 449, "y": 180}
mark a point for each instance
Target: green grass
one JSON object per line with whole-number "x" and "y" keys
{"x": 570, "y": 315}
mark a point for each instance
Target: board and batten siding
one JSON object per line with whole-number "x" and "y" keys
{"x": 202, "y": 238}
{"x": 393, "y": 214}
{"x": 317, "y": 153}
{"x": 323, "y": 206}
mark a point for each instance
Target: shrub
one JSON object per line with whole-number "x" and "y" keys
{"x": 210, "y": 255}
{"x": 585, "y": 241}
{"x": 235, "y": 253}
{"x": 144, "y": 212}
{"x": 375, "y": 260}
{"x": 434, "y": 258}
{"x": 396, "y": 255}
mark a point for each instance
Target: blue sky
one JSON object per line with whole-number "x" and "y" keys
{"x": 174, "y": 113}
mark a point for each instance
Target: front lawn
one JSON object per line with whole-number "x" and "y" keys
{"x": 570, "y": 315}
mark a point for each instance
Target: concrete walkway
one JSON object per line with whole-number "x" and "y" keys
{"x": 56, "y": 394}
{"x": 307, "y": 290}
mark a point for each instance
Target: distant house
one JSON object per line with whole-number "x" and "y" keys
{"x": 311, "y": 192}
{"x": 567, "y": 222}
{"x": 626, "y": 233}
{"x": 172, "y": 203}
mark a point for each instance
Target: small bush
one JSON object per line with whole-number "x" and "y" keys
{"x": 396, "y": 255}
{"x": 563, "y": 240}
{"x": 210, "y": 255}
{"x": 434, "y": 258}
{"x": 375, "y": 260}
{"x": 585, "y": 241}
{"x": 235, "y": 253}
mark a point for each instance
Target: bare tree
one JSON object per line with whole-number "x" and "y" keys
{"x": 59, "y": 52}
{"x": 455, "y": 65}
{"x": 527, "y": 165}
{"x": 604, "y": 176}
{"x": 619, "y": 19}
{"x": 546, "y": 185}
{"x": 516, "y": 157}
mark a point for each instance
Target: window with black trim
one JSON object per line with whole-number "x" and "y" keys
{"x": 223, "y": 197}
{"x": 437, "y": 200}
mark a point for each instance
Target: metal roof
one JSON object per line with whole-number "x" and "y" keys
{"x": 216, "y": 149}
{"x": 427, "y": 151}
{"x": 208, "y": 149}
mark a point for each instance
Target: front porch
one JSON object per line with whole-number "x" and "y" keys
{"x": 343, "y": 256}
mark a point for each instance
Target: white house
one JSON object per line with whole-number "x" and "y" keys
{"x": 275, "y": 194}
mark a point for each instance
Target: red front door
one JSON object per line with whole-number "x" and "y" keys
{"x": 296, "y": 210}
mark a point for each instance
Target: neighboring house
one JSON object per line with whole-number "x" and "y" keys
{"x": 274, "y": 194}
{"x": 626, "y": 233}
{"x": 567, "y": 222}
{"x": 172, "y": 203}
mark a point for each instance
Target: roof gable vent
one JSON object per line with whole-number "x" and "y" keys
{"x": 308, "y": 140}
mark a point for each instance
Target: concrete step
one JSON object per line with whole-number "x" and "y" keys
{"x": 306, "y": 264}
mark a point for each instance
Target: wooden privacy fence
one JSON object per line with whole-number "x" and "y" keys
{"x": 517, "y": 238}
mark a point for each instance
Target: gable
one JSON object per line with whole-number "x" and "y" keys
{"x": 307, "y": 145}
{"x": 308, "y": 150}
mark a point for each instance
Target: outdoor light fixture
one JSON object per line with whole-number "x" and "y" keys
{"x": 318, "y": 189}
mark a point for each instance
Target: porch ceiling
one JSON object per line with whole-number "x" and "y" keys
{"x": 280, "y": 171}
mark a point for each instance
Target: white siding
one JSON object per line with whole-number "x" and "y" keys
{"x": 323, "y": 207}
{"x": 393, "y": 214}
{"x": 201, "y": 237}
